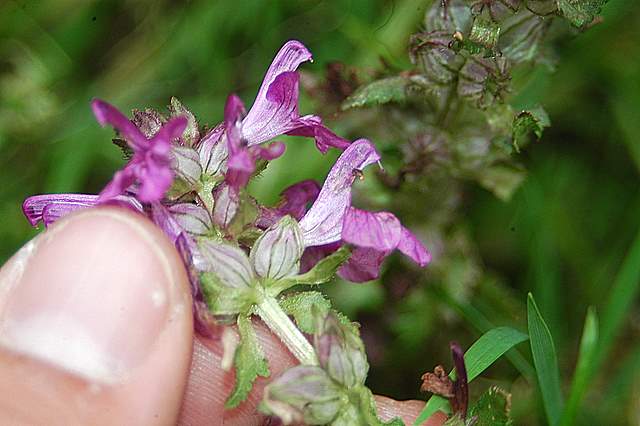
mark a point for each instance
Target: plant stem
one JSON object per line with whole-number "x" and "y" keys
{"x": 281, "y": 325}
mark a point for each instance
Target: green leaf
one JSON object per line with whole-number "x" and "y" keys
{"x": 484, "y": 352}
{"x": 533, "y": 121}
{"x": 502, "y": 180}
{"x": 300, "y": 306}
{"x": 545, "y": 361}
{"x": 580, "y": 12}
{"x": 582, "y": 374}
{"x": 390, "y": 89}
{"x": 485, "y": 33}
{"x": 249, "y": 362}
{"x": 323, "y": 272}
{"x": 492, "y": 409}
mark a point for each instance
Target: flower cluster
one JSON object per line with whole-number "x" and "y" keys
{"x": 242, "y": 256}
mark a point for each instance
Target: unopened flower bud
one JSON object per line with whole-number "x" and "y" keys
{"x": 341, "y": 352}
{"x": 303, "y": 394}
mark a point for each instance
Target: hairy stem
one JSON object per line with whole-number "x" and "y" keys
{"x": 281, "y": 325}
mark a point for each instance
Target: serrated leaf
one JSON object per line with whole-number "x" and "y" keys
{"x": 588, "y": 348}
{"x": 545, "y": 361}
{"x": 300, "y": 306}
{"x": 390, "y": 89}
{"x": 533, "y": 121}
{"x": 580, "y": 12}
{"x": 484, "y": 352}
{"x": 249, "y": 363}
{"x": 502, "y": 180}
{"x": 322, "y": 272}
{"x": 492, "y": 409}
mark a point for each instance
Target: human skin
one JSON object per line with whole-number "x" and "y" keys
{"x": 96, "y": 328}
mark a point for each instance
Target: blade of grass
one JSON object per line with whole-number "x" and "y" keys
{"x": 545, "y": 361}
{"x": 484, "y": 352}
{"x": 479, "y": 321}
{"x": 588, "y": 347}
{"x": 622, "y": 296}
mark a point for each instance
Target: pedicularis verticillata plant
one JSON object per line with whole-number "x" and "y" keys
{"x": 245, "y": 259}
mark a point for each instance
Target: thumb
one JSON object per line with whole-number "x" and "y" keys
{"x": 95, "y": 324}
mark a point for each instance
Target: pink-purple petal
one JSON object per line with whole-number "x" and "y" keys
{"x": 107, "y": 114}
{"x": 412, "y": 247}
{"x": 269, "y": 152}
{"x": 363, "y": 265}
{"x": 58, "y": 205}
{"x": 311, "y": 126}
{"x": 287, "y": 60}
{"x": 155, "y": 179}
{"x": 381, "y": 231}
{"x": 323, "y": 222}
{"x": 276, "y": 114}
{"x": 121, "y": 181}
{"x": 172, "y": 129}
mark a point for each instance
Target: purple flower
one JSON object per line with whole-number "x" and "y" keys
{"x": 275, "y": 109}
{"x": 48, "y": 208}
{"x": 150, "y": 166}
{"x": 375, "y": 235}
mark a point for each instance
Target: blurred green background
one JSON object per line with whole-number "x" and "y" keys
{"x": 563, "y": 236}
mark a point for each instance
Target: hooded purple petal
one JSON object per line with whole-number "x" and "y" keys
{"x": 412, "y": 247}
{"x": 276, "y": 105}
{"x": 363, "y": 265}
{"x": 323, "y": 222}
{"x": 377, "y": 230}
{"x": 276, "y": 114}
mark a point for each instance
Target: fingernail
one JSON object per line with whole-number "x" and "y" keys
{"x": 91, "y": 296}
